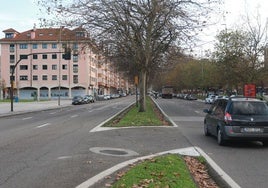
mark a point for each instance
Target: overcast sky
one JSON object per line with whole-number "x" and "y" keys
{"x": 21, "y": 15}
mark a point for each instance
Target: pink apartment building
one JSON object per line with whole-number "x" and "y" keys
{"x": 43, "y": 73}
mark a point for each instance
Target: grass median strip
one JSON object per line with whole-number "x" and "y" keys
{"x": 132, "y": 117}
{"x": 161, "y": 172}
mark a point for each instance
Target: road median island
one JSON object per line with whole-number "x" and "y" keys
{"x": 131, "y": 117}
{"x": 165, "y": 171}
{"x": 188, "y": 171}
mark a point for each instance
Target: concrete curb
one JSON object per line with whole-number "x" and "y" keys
{"x": 100, "y": 128}
{"x": 191, "y": 151}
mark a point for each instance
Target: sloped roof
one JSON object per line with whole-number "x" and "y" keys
{"x": 10, "y": 30}
{"x": 46, "y": 34}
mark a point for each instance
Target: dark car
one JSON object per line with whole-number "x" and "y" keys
{"x": 237, "y": 119}
{"x": 78, "y": 100}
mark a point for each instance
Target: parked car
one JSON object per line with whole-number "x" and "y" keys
{"x": 78, "y": 100}
{"x": 191, "y": 97}
{"x": 107, "y": 97}
{"x": 89, "y": 98}
{"x": 237, "y": 119}
{"x": 210, "y": 99}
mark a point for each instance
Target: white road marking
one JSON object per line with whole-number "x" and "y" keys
{"x": 46, "y": 124}
{"x": 53, "y": 113}
{"x": 198, "y": 112}
{"x": 73, "y": 116}
{"x": 27, "y": 118}
{"x": 64, "y": 157}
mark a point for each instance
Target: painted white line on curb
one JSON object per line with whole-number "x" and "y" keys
{"x": 40, "y": 126}
{"x": 191, "y": 151}
{"x": 100, "y": 128}
{"x": 218, "y": 170}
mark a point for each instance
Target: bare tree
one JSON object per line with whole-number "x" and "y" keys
{"x": 140, "y": 31}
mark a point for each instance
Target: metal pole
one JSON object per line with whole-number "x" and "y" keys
{"x": 11, "y": 91}
{"x": 137, "y": 104}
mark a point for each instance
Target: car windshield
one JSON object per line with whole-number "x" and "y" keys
{"x": 249, "y": 108}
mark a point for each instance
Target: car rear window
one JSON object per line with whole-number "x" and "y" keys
{"x": 248, "y": 108}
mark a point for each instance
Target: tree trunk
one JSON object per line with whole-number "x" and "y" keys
{"x": 143, "y": 92}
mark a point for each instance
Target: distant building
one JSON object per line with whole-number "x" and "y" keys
{"x": 45, "y": 74}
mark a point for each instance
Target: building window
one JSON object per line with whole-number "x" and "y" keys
{"x": 35, "y": 77}
{"x": 64, "y": 67}
{"x": 54, "y": 45}
{"x": 54, "y": 77}
{"x": 23, "y": 67}
{"x": 44, "y": 45}
{"x": 64, "y": 77}
{"x": 75, "y": 58}
{"x": 44, "y": 77}
{"x": 34, "y": 46}
{"x": 23, "y": 77}
{"x": 44, "y": 56}
{"x": 11, "y": 68}
{"x": 35, "y": 56}
{"x": 35, "y": 67}
{"x": 12, "y": 58}
{"x": 54, "y": 56}
{"x": 75, "y": 68}
{"x": 9, "y": 35}
{"x": 54, "y": 67}
{"x": 75, "y": 46}
{"x": 64, "y": 45}
{"x": 23, "y": 56}
{"x": 75, "y": 79}
{"x": 11, "y": 48}
{"x": 23, "y": 46}
{"x": 44, "y": 67}
{"x": 80, "y": 34}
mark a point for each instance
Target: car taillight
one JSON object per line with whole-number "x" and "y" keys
{"x": 227, "y": 117}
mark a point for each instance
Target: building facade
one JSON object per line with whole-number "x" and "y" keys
{"x": 43, "y": 71}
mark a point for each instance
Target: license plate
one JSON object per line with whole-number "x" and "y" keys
{"x": 251, "y": 130}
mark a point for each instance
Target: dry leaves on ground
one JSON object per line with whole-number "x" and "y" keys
{"x": 199, "y": 173}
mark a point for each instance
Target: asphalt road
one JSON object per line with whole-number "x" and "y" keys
{"x": 245, "y": 162}
{"x": 55, "y": 148}
{"x": 51, "y": 148}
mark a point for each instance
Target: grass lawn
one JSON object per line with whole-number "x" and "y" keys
{"x": 167, "y": 171}
{"x": 133, "y": 117}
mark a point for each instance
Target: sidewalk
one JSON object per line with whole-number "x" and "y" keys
{"x": 21, "y": 107}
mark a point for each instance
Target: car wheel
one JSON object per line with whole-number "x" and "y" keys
{"x": 220, "y": 138}
{"x": 206, "y": 132}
